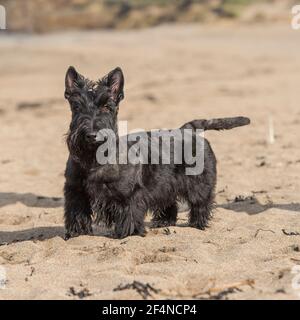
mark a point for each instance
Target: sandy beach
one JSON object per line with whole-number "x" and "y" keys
{"x": 173, "y": 74}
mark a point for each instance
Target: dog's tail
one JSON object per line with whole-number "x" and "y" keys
{"x": 217, "y": 124}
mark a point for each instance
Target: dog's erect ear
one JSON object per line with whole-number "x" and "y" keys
{"x": 72, "y": 77}
{"x": 115, "y": 81}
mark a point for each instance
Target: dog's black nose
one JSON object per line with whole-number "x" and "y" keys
{"x": 92, "y": 135}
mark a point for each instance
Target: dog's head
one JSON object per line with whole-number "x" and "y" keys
{"x": 94, "y": 107}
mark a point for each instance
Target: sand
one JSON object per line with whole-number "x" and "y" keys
{"x": 173, "y": 74}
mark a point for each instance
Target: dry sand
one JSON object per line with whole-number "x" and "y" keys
{"x": 173, "y": 74}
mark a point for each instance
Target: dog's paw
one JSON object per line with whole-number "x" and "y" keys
{"x": 67, "y": 236}
{"x": 198, "y": 225}
{"x": 70, "y": 234}
{"x": 162, "y": 223}
{"x": 141, "y": 233}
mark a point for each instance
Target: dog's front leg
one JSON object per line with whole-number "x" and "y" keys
{"x": 130, "y": 221}
{"x": 78, "y": 211}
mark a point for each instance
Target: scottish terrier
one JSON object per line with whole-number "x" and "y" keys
{"x": 122, "y": 194}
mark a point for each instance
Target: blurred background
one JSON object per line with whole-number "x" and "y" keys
{"x": 182, "y": 60}
{"x": 45, "y": 16}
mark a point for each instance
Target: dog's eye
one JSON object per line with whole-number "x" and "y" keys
{"x": 105, "y": 108}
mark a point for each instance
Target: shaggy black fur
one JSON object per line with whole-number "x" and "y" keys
{"x": 122, "y": 194}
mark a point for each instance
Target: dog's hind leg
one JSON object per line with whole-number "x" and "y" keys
{"x": 200, "y": 211}
{"x": 165, "y": 217}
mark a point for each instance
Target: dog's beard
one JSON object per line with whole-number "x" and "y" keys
{"x": 81, "y": 149}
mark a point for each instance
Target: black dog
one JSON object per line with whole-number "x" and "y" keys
{"x": 121, "y": 194}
